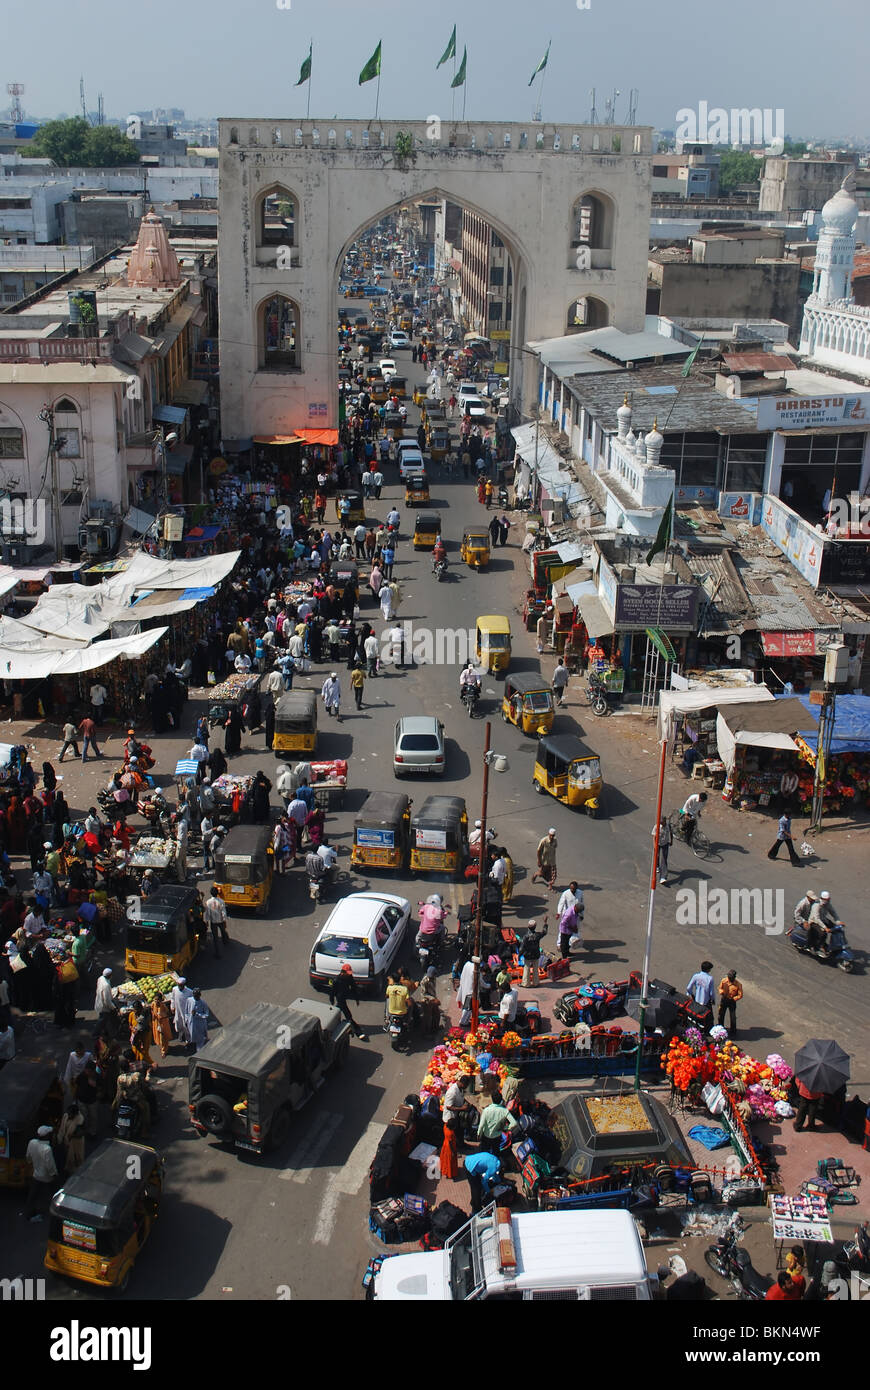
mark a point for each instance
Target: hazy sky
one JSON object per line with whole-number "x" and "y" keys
{"x": 241, "y": 57}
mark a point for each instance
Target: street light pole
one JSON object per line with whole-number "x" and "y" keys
{"x": 481, "y": 870}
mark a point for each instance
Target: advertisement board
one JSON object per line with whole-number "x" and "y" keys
{"x": 431, "y": 839}
{"x": 800, "y": 542}
{"x": 846, "y": 562}
{"x": 740, "y": 506}
{"x": 812, "y": 412}
{"x": 375, "y": 839}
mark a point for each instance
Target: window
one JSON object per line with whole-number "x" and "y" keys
{"x": 70, "y": 448}
{"x": 393, "y": 915}
{"x": 277, "y": 218}
{"x": 496, "y": 309}
{"x": 11, "y": 444}
{"x": 496, "y": 275}
{"x": 279, "y": 334}
{"x": 382, "y": 933}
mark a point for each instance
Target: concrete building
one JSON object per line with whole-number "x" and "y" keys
{"x": 26, "y": 269}
{"x": 106, "y": 220}
{"x": 690, "y": 172}
{"x": 796, "y": 185}
{"x": 571, "y": 205}
{"x": 720, "y": 275}
{"x": 113, "y": 362}
{"x": 486, "y": 278}
{"x": 836, "y": 331}
{"x": 31, "y": 193}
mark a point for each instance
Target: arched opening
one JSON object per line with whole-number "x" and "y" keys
{"x": 585, "y": 313}
{"x": 276, "y": 214}
{"x": 278, "y": 334}
{"x": 67, "y": 429}
{"x": 592, "y": 228}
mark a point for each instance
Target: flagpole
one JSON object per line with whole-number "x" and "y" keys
{"x": 453, "y": 89}
{"x": 311, "y": 55}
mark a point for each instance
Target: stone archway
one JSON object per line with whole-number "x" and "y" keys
{"x": 350, "y": 174}
{"x": 585, "y": 313}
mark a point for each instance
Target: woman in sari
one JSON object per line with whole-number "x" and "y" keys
{"x": 140, "y": 1034}
{"x": 16, "y": 820}
{"x": 161, "y": 1023}
{"x": 314, "y": 826}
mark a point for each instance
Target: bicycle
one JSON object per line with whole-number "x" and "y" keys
{"x": 699, "y": 843}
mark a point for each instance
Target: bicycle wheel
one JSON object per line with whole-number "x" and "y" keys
{"x": 700, "y": 844}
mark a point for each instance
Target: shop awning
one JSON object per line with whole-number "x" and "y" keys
{"x": 661, "y": 642}
{"x": 169, "y": 414}
{"x": 277, "y": 439}
{"x": 139, "y": 521}
{"x": 675, "y": 702}
{"x": 190, "y": 392}
{"x": 594, "y": 615}
{"x": 312, "y": 436}
{"x": 851, "y": 723}
{"x": 758, "y": 724}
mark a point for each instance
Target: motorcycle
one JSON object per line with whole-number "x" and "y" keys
{"x": 128, "y": 1120}
{"x": 428, "y": 942}
{"x": 439, "y": 569}
{"x": 730, "y": 1261}
{"x": 502, "y": 496}
{"x": 470, "y": 695}
{"x": 837, "y": 951}
{"x": 398, "y": 1029}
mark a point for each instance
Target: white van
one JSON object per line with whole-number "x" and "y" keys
{"x": 573, "y": 1256}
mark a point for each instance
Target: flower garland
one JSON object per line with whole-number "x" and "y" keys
{"x": 463, "y": 1054}
{"x": 764, "y": 1084}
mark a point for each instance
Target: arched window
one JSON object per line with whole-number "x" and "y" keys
{"x": 585, "y": 313}
{"x": 592, "y": 227}
{"x": 67, "y": 429}
{"x": 277, "y": 217}
{"x": 278, "y": 334}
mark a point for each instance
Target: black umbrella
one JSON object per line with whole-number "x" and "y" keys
{"x": 822, "y": 1065}
{"x": 659, "y": 1012}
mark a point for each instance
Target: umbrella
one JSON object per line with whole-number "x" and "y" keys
{"x": 822, "y": 1065}
{"x": 658, "y": 1014}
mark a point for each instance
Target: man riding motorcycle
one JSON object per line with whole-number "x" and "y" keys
{"x": 433, "y": 915}
{"x": 468, "y": 676}
{"x": 821, "y": 920}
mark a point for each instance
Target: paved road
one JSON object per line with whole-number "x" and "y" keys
{"x": 294, "y": 1224}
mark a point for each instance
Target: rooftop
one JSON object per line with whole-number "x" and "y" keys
{"x": 679, "y": 403}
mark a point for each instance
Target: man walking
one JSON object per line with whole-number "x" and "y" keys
{"x": 397, "y": 645}
{"x": 341, "y": 989}
{"x": 331, "y": 695}
{"x": 530, "y": 950}
{"x": 808, "y": 1106}
{"x": 357, "y": 682}
{"x": 98, "y": 700}
{"x": 370, "y": 648}
{"x": 783, "y": 837}
{"x": 359, "y": 540}
{"x": 560, "y": 682}
{"x": 730, "y": 994}
{"x": 216, "y": 917}
{"x": 70, "y": 740}
{"x": 546, "y": 856}
{"x": 43, "y": 1183}
{"x": 104, "y": 1003}
{"x": 89, "y": 738}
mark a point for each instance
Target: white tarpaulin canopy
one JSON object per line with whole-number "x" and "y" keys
{"x": 727, "y": 742}
{"x": 37, "y": 662}
{"x": 675, "y": 702}
{"x": 758, "y": 724}
{"x": 147, "y": 572}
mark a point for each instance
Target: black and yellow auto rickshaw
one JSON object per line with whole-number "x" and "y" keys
{"x": 163, "y": 930}
{"x": 394, "y": 424}
{"x": 416, "y": 489}
{"x": 342, "y": 573}
{"x": 378, "y": 388}
{"x": 31, "y": 1094}
{"x": 381, "y": 832}
{"x": 439, "y": 442}
{"x": 295, "y": 722}
{"x": 569, "y": 771}
{"x": 244, "y": 866}
{"x": 427, "y": 528}
{"x": 528, "y": 703}
{"x": 356, "y": 512}
{"x": 439, "y": 836}
{"x": 475, "y": 547}
{"x": 493, "y": 643}
{"x": 104, "y": 1213}
{"x": 398, "y": 387}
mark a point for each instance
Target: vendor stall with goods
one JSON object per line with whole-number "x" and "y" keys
{"x": 847, "y": 784}
{"x": 762, "y": 760}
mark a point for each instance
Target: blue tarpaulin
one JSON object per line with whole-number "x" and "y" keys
{"x": 851, "y": 724}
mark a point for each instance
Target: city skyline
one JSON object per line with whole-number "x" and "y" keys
{"x": 251, "y": 67}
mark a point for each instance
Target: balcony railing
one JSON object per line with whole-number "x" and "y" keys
{"x": 55, "y": 349}
{"x": 495, "y": 137}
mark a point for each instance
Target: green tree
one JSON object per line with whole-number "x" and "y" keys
{"x": 74, "y": 142}
{"x": 794, "y": 148}
{"x": 736, "y": 167}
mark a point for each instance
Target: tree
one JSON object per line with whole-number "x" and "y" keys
{"x": 794, "y": 148}
{"x": 736, "y": 167}
{"x": 74, "y": 142}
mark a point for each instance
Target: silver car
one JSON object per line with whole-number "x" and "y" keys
{"x": 419, "y": 746}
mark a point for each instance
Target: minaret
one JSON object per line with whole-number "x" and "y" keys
{"x": 835, "y": 255}
{"x": 654, "y": 442}
{"x": 153, "y": 265}
{"x": 623, "y": 416}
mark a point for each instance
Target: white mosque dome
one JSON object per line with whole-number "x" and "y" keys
{"x": 840, "y": 213}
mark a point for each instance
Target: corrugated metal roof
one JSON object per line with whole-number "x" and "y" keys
{"x": 727, "y": 606}
{"x": 698, "y": 406}
{"x": 757, "y": 362}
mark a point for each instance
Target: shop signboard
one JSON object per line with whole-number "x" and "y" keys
{"x": 813, "y": 412}
{"x": 607, "y": 586}
{"x": 500, "y": 335}
{"x": 789, "y": 643}
{"x": 800, "y": 542}
{"x": 846, "y": 562}
{"x": 672, "y": 607}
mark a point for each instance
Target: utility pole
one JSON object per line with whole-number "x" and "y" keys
{"x": 836, "y": 673}
{"x": 481, "y": 880}
{"x": 82, "y": 98}
{"x": 47, "y": 417}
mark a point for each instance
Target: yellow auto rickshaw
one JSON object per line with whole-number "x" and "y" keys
{"x": 244, "y": 866}
{"x": 439, "y": 836}
{"x": 381, "y": 831}
{"x": 493, "y": 643}
{"x": 419, "y": 395}
{"x": 394, "y": 424}
{"x": 163, "y": 930}
{"x": 427, "y": 528}
{"x": 378, "y": 389}
{"x": 439, "y": 442}
{"x": 295, "y": 722}
{"x": 475, "y": 548}
{"x": 569, "y": 771}
{"x": 31, "y": 1094}
{"x": 416, "y": 489}
{"x": 528, "y": 703}
{"x": 104, "y": 1213}
{"x": 355, "y": 512}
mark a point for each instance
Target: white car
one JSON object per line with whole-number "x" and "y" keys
{"x": 399, "y": 339}
{"x": 364, "y": 930}
{"x": 411, "y": 461}
{"x": 388, "y": 367}
{"x": 473, "y": 406}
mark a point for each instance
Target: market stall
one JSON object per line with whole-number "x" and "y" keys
{"x": 232, "y": 795}
{"x": 847, "y": 784}
{"x": 763, "y": 763}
